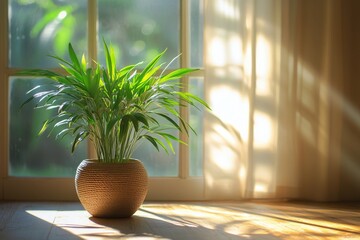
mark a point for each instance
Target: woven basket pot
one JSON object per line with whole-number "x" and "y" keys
{"x": 111, "y": 190}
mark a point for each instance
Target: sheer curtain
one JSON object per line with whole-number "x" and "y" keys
{"x": 282, "y": 79}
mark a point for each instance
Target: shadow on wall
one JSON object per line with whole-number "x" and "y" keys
{"x": 223, "y": 171}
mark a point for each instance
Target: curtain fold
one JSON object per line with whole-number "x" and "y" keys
{"x": 285, "y": 118}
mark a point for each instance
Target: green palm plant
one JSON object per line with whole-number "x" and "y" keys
{"x": 114, "y": 108}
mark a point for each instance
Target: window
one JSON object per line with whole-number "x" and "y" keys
{"x": 36, "y": 29}
{"x": 140, "y": 29}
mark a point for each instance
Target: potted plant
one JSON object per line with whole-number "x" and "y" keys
{"x": 115, "y": 109}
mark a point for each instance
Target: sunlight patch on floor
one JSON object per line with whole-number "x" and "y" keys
{"x": 203, "y": 220}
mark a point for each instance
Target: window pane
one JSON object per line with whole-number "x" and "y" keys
{"x": 158, "y": 164}
{"x": 140, "y": 29}
{"x": 42, "y": 27}
{"x": 196, "y": 33}
{"x": 32, "y": 155}
{"x": 196, "y": 86}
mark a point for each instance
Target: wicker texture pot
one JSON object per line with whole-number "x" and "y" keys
{"x": 111, "y": 190}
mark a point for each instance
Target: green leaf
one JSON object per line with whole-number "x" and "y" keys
{"x": 152, "y": 141}
{"x": 77, "y": 128}
{"x": 64, "y": 106}
{"x": 44, "y": 127}
{"x": 110, "y": 60}
{"x": 38, "y": 73}
{"x": 141, "y": 118}
{"x": 151, "y": 65}
{"x": 61, "y": 60}
{"x": 126, "y": 70}
{"x": 163, "y": 146}
{"x": 170, "y": 120}
{"x": 151, "y": 73}
{"x": 124, "y": 125}
{"x": 62, "y": 122}
{"x": 107, "y": 83}
{"x": 110, "y": 125}
{"x": 176, "y": 74}
{"x": 62, "y": 133}
{"x": 189, "y": 97}
{"x": 73, "y": 72}
{"x": 167, "y": 138}
{"x": 78, "y": 139}
{"x": 74, "y": 59}
{"x": 135, "y": 122}
{"x": 184, "y": 125}
{"x": 33, "y": 89}
{"x": 83, "y": 62}
{"x": 27, "y": 101}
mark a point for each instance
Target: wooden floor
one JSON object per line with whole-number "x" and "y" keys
{"x": 184, "y": 220}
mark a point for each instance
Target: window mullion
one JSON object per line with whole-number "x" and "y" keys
{"x": 92, "y": 29}
{"x": 184, "y": 62}
{"x": 3, "y": 93}
{"x": 92, "y": 49}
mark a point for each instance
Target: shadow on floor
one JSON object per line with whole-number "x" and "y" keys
{"x": 33, "y": 221}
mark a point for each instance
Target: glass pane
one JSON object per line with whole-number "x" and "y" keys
{"x": 32, "y": 155}
{"x": 158, "y": 163}
{"x": 196, "y": 86}
{"x": 196, "y": 33}
{"x": 140, "y": 29}
{"x": 42, "y": 27}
